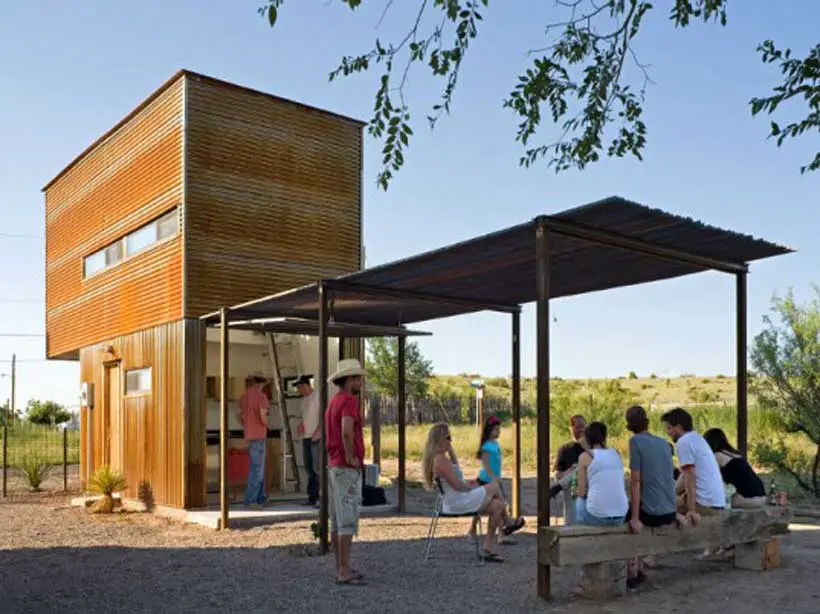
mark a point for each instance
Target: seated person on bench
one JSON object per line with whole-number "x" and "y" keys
{"x": 601, "y": 493}
{"x": 462, "y": 497}
{"x": 735, "y": 470}
{"x": 566, "y": 466}
{"x": 652, "y": 483}
{"x": 700, "y": 486}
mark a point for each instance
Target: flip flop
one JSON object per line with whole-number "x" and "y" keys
{"x": 492, "y": 557}
{"x": 515, "y": 526}
{"x": 351, "y": 581}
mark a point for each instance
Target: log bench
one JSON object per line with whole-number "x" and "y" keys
{"x": 603, "y": 552}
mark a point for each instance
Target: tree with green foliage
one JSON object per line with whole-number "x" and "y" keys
{"x": 576, "y": 78}
{"x": 46, "y": 412}
{"x": 383, "y": 364}
{"x": 786, "y": 359}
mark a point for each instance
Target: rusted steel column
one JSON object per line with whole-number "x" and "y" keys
{"x": 324, "y": 313}
{"x": 542, "y": 267}
{"x": 742, "y": 376}
{"x": 516, "y": 413}
{"x": 224, "y": 371}
{"x": 402, "y": 401}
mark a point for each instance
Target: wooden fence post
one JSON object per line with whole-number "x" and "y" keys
{"x": 5, "y": 451}
{"x": 65, "y": 459}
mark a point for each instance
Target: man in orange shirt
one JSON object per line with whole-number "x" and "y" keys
{"x": 253, "y": 415}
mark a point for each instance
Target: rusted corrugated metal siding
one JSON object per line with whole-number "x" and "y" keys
{"x": 195, "y": 448}
{"x": 127, "y": 179}
{"x": 146, "y": 437}
{"x": 273, "y": 195}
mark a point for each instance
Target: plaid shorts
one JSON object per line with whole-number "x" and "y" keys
{"x": 345, "y": 497}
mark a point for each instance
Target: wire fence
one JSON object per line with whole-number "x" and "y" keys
{"x": 38, "y": 457}
{"x": 452, "y": 410}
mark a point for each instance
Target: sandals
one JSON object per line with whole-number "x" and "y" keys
{"x": 351, "y": 581}
{"x": 633, "y": 583}
{"x": 492, "y": 557}
{"x": 516, "y": 525}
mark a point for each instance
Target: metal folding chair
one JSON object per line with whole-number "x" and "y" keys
{"x": 438, "y": 513}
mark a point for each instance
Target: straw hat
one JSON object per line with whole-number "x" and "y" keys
{"x": 346, "y": 368}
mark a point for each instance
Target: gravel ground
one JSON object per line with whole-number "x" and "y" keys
{"x": 57, "y": 558}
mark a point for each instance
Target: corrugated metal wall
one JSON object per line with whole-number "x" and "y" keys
{"x": 272, "y": 200}
{"x": 142, "y": 433}
{"x": 196, "y": 450}
{"x": 273, "y": 193}
{"x": 127, "y": 179}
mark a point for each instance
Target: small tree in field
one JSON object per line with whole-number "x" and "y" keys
{"x": 383, "y": 363}
{"x": 786, "y": 357}
{"x": 46, "y": 412}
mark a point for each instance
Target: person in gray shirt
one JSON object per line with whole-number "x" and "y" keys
{"x": 652, "y": 482}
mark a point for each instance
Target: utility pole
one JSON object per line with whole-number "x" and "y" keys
{"x": 13, "y": 381}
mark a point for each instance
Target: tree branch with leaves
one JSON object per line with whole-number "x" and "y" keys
{"x": 786, "y": 360}
{"x": 576, "y": 79}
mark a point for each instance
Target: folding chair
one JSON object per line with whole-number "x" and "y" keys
{"x": 438, "y": 513}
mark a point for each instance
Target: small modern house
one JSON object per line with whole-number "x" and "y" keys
{"x": 207, "y": 194}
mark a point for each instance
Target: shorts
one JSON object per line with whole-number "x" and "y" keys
{"x": 584, "y": 516}
{"x": 653, "y": 520}
{"x": 700, "y": 509}
{"x": 345, "y": 497}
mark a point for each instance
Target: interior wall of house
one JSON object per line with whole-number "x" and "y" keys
{"x": 248, "y": 354}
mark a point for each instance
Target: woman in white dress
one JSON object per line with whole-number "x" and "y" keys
{"x": 461, "y": 497}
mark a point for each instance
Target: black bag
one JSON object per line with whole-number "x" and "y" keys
{"x": 373, "y": 495}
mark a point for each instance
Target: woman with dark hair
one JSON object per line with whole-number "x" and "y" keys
{"x": 601, "y": 493}
{"x": 735, "y": 470}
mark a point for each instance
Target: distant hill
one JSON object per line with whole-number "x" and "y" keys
{"x": 653, "y": 390}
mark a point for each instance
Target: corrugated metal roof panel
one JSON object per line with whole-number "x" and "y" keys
{"x": 499, "y": 268}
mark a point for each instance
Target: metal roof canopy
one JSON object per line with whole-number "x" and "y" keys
{"x": 295, "y": 326}
{"x": 607, "y": 244}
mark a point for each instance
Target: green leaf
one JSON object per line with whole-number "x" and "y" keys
{"x": 272, "y": 14}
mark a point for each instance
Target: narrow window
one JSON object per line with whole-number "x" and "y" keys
{"x": 138, "y": 381}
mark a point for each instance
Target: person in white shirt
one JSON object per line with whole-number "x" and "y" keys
{"x": 311, "y": 433}
{"x": 700, "y": 485}
{"x": 601, "y": 488}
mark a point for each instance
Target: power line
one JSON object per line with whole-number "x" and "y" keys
{"x": 4, "y": 361}
{"x": 18, "y": 236}
{"x": 20, "y": 300}
{"x": 21, "y": 335}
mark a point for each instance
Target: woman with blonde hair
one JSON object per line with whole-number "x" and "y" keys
{"x": 441, "y": 463}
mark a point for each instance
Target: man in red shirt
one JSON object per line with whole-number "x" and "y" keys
{"x": 345, "y": 452}
{"x": 253, "y": 415}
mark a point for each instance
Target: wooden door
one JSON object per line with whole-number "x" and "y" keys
{"x": 112, "y": 418}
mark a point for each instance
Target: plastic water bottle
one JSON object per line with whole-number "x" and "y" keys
{"x": 772, "y": 499}
{"x": 730, "y": 492}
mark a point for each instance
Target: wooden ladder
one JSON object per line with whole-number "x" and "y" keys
{"x": 288, "y": 450}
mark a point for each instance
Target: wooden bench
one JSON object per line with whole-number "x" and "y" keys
{"x": 604, "y": 551}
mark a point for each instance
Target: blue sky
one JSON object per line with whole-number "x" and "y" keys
{"x": 72, "y": 70}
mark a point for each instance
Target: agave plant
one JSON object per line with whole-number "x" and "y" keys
{"x": 106, "y": 482}
{"x": 35, "y": 468}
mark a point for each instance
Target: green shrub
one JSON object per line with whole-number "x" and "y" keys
{"x": 633, "y": 375}
{"x": 498, "y": 382}
{"x": 106, "y": 481}
{"x": 35, "y": 468}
